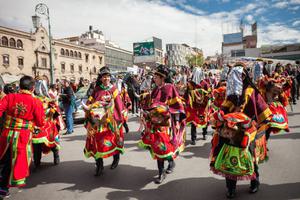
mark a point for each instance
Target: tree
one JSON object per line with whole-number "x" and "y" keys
{"x": 195, "y": 60}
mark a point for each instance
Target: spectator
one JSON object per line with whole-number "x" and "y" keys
{"x": 68, "y": 100}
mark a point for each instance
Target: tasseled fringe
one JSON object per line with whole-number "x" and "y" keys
{"x": 233, "y": 177}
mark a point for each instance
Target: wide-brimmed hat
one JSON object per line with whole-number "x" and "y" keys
{"x": 104, "y": 70}
{"x": 162, "y": 71}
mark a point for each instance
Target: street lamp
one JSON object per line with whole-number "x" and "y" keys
{"x": 43, "y": 9}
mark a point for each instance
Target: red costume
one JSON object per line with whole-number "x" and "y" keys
{"x": 23, "y": 113}
{"x": 48, "y": 135}
{"x": 161, "y": 137}
{"x": 105, "y": 134}
{"x": 197, "y": 104}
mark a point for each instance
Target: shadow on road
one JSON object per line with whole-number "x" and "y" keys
{"x": 293, "y": 113}
{"x": 197, "y": 151}
{"x": 286, "y": 136}
{"x": 207, "y": 188}
{"x": 297, "y": 126}
{"x": 71, "y": 138}
{"x": 81, "y": 175}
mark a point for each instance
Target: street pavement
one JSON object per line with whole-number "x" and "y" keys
{"x": 74, "y": 177}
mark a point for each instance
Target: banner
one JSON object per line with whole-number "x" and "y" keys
{"x": 143, "y": 49}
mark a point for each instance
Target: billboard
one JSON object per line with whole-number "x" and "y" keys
{"x": 143, "y": 49}
{"x": 233, "y": 38}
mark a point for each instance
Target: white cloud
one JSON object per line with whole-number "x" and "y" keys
{"x": 294, "y": 8}
{"x": 282, "y": 4}
{"x": 295, "y": 1}
{"x": 123, "y": 21}
{"x": 192, "y": 9}
{"x": 249, "y": 18}
{"x": 296, "y": 23}
{"x": 277, "y": 33}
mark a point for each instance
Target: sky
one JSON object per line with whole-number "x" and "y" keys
{"x": 199, "y": 23}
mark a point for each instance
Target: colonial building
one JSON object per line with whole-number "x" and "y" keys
{"x": 116, "y": 58}
{"x": 24, "y": 53}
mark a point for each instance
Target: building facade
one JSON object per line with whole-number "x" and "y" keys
{"x": 149, "y": 53}
{"x": 236, "y": 45}
{"x": 286, "y": 52}
{"x": 24, "y": 53}
{"x": 116, "y": 58}
{"x": 177, "y": 54}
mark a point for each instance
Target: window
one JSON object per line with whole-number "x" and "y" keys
{"x": 5, "y": 59}
{"x": 100, "y": 60}
{"x": 86, "y": 57}
{"x": 75, "y": 54}
{"x": 71, "y": 53}
{"x": 19, "y": 44}
{"x": 80, "y": 68}
{"x": 62, "y": 52}
{"x": 44, "y": 62}
{"x": 20, "y": 61}
{"x": 67, "y": 52}
{"x": 63, "y": 67}
{"x": 79, "y": 55}
{"x": 72, "y": 68}
{"x": 95, "y": 70}
{"x": 4, "y": 41}
{"x": 12, "y": 42}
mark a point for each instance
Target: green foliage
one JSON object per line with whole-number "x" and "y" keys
{"x": 195, "y": 60}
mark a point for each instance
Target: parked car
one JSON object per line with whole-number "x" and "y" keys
{"x": 80, "y": 96}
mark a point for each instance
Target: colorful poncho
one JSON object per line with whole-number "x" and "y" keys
{"x": 234, "y": 160}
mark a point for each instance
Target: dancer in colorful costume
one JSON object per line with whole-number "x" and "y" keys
{"x": 23, "y": 113}
{"x": 104, "y": 121}
{"x": 219, "y": 95}
{"x": 274, "y": 89}
{"x": 46, "y": 138}
{"x": 127, "y": 105}
{"x": 165, "y": 125}
{"x": 243, "y": 103}
{"x": 197, "y": 98}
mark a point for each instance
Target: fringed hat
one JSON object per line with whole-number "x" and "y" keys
{"x": 162, "y": 71}
{"x": 104, "y": 70}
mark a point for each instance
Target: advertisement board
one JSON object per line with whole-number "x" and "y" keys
{"x": 143, "y": 49}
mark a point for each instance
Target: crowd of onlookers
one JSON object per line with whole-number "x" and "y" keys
{"x": 136, "y": 84}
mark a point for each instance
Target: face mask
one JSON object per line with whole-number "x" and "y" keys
{"x": 235, "y": 82}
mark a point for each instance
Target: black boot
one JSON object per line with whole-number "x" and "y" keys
{"x": 231, "y": 185}
{"x": 56, "y": 159}
{"x": 254, "y": 186}
{"x": 126, "y": 127}
{"x": 99, "y": 167}
{"x": 193, "y": 134}
{"x": 230, "y": 193}
{"x": 115, "y": 163}
{"x": 204, "y": 133}
{"x": 161, "y": 172}
{"x": 171, "y": 167}
{"x": 37, "y": 154}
